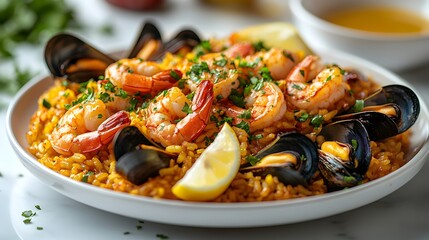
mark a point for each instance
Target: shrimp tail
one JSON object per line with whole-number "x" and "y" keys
{"x": 93, "y": 141}
{"x": 139, "y": 83}
{"x": 111, "y": 125}
{"x": 193, "y": 124}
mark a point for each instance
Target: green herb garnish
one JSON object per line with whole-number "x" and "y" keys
{"x": 161, "y": 236}
{"x": 317, "y": 120}
{"x": 304, "y": 117}
{"x": 358, "y": 106}
{"x": 46, "y": 104}
{"x": 252, "y": 160}
{"x": 187, "y": 109}
{"x": 86, "y": 175}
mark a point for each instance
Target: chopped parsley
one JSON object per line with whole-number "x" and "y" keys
{"x": 354, "y": 144}
{"x": 175, "y": 75}
{"x": 259, "y": 46}
{"x": 297, "y": 87}
{"x": 244, "y": 125}
{"x": 187, "y": 109}
{"x": 86, "y": 175}
{"x": 288, "y": 55}
{"x": 105, "y": 97}
{"x": 46, "y": 104}
{"x": 246, "y": 64}
{"x": 358, "y": 106}
{"x": 317, "y": 120}
{"x": 39, "y": 228}
{"x": 221, "y": 62}
{"x": 202, "y": 48}
{"x": 126, "y": 233}
{"x": 133, "y": 105}
{"x": 349, "y": 179}
{"x": 303, "y": 117}
{"x": 28, "y": 213}
{"x": 252, "y": 160}
{"x": 38, "y": 207}
{"x": 237, "y": 98}
{"x": 190, "y": 96}
{"x": 197, "y": 70}
{"x": 100, "y": 115}
{"x": 302, "y": 72}
{"x": 109, "y": 87}
{"x": 181, "y": 83}
{"x": 121, "y": 93}
{"x": 329, "y": 78}
{"x": 245, "y": 114}
{"x": 161, "y": 236}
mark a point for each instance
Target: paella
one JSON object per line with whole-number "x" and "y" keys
{"x": 223, "y": 120}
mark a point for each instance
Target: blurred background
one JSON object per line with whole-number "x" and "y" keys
{"x": 26, "y": 25}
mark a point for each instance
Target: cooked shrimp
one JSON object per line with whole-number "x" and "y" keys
{"x": 312, "y": 87}
{"x": 278, "y": 61}
{"x": 135, "y": 75}
{"x": 266, "y": 106}
{"x": 173, "y": 106}
{"x": 86, "y": 127}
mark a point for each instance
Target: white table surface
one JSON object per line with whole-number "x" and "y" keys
{"x": 403, "y": 214}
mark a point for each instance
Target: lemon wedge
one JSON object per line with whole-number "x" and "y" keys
{"x": 213, "y": 171}
{"x": 277, "y": 34}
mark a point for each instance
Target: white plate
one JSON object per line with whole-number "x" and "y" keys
{"x": 222, "y": 214}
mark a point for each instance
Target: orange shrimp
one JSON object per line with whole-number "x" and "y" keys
{"x": 311, "y": 86}
{"x": 135, "y": 75}
{"x": 266, "y": 106}
{"x": 172, "y": 118}
{"x": 86, "y": 127}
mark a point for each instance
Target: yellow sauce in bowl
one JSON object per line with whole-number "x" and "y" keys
{"x": 380, "y": 20}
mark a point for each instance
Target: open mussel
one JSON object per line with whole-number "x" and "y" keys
{"x": 69, "y": 57}
{"x": 136, "y": 158}
{"x": 292, "y": 158}
{"x": 345, "y": 154}
{"x": 184, "y": 40}
{"x": 147, "y": 43}
{"x": 389, "y": 111}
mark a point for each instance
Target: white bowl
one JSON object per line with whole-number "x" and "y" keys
{"x": 394, "y": 51}
{"x": 222, "y": 214}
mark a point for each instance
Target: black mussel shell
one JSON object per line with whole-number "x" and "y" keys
{"x": 354, "y": 134}
{"x": 405, "y": 99}
{"x": 378, "y": 125}
{"x": 185, "y": 38}
{"x": 64, "y": 50}
{"x": 338, "y": 173}
{"x": 148, "y": 33}
{"x": 335, "y": 173}
{"x": 127, "y": 140}
{"x": 136, "y": 157}
{"x": 141, "y": 164}
{"x": 305, "y": 152}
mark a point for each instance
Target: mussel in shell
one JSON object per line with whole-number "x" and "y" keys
{"x": 389, "y": 111}
{"x": 292, "y": 158}
{"x": 136, "y": 158}
{"x": 70, "y": 57}
{"x": 345, "y": 154}
{"x": 147, "y": 43}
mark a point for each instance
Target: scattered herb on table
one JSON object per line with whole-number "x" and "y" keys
{"x": 39, "y": 228}
{"x": 161, "y": 236}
